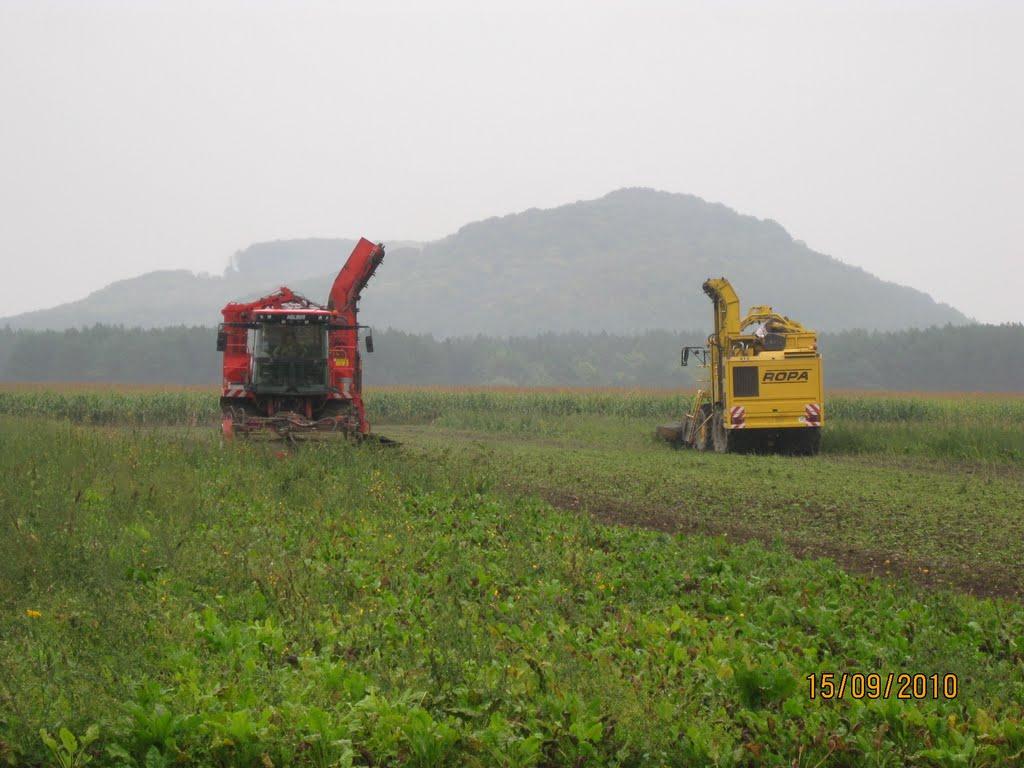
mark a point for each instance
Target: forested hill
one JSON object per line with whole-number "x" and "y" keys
{"x": 964, "y": 358}
{"x": 628, "y": 262}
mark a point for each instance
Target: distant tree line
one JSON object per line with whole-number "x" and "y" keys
{"x": 177, "y": 355}
{"x": 960, "y": 358}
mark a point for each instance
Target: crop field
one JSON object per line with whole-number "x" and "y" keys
{"x": 530, "y": 579}
{"x": 968, "y": 426}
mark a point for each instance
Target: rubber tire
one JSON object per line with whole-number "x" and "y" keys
{"x": 812, "y": 441}
{"x": 702, "y": 440}
{"x": 804, "y": 441}
{"x": 721, "y": 439}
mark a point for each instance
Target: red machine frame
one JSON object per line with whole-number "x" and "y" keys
{"x": 341, "y": 407}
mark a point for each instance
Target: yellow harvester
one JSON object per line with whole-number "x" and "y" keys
{"x": 765, "y": 391}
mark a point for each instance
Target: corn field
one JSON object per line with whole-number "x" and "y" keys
{"x": 193, "y": 407}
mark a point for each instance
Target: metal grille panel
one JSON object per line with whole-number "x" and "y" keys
{"x": 744, "y": 381}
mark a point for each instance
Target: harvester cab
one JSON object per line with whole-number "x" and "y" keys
{"x": 764, "y": 389}
{"x": 290, "y": 352}
{"x": 292, "y": 367}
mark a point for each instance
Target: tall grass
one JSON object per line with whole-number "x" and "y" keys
{"x": 113, "y": 407}
{"x": 966, "y": 426}
{"x": 926, "y": 409}
{"x": 100, "y": 406}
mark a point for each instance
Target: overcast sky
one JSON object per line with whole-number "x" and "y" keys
{"x": 137, "y": 136}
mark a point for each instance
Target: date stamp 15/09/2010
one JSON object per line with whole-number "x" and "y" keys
{"x": 891, "y": 685}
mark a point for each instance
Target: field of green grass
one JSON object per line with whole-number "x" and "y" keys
{"x": 975, "y": 427}
{"x": 530, "y": 579}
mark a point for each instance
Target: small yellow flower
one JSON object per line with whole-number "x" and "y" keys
{"x": 32, "y": 614}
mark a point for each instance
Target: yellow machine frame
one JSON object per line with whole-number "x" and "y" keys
{"x": 766, "y": 390}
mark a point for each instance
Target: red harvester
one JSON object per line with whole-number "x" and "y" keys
{"x": 291, "y": 366}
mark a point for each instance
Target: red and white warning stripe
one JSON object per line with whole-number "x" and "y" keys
{"x": 812, "y": 415}
{"x": 738, "y": 416}
{"x": 234, "y": 390}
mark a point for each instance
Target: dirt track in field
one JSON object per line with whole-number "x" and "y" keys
{"x": 979, "y": 582}
{"x": 972, "y": 577}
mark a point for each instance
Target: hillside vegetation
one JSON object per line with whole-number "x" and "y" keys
{"x": 965, "y": 358}
{"x": 628, "y": 262}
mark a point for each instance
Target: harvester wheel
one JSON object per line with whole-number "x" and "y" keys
{"x": 721, "y": 439}
{"x": 702, "y": 436}
{"x": 804, "y": 441}
{"x": 812, "y": 441}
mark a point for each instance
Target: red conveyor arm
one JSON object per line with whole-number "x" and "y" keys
{"x": 346, "y": 366}
{"x": 353, "y": 277}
